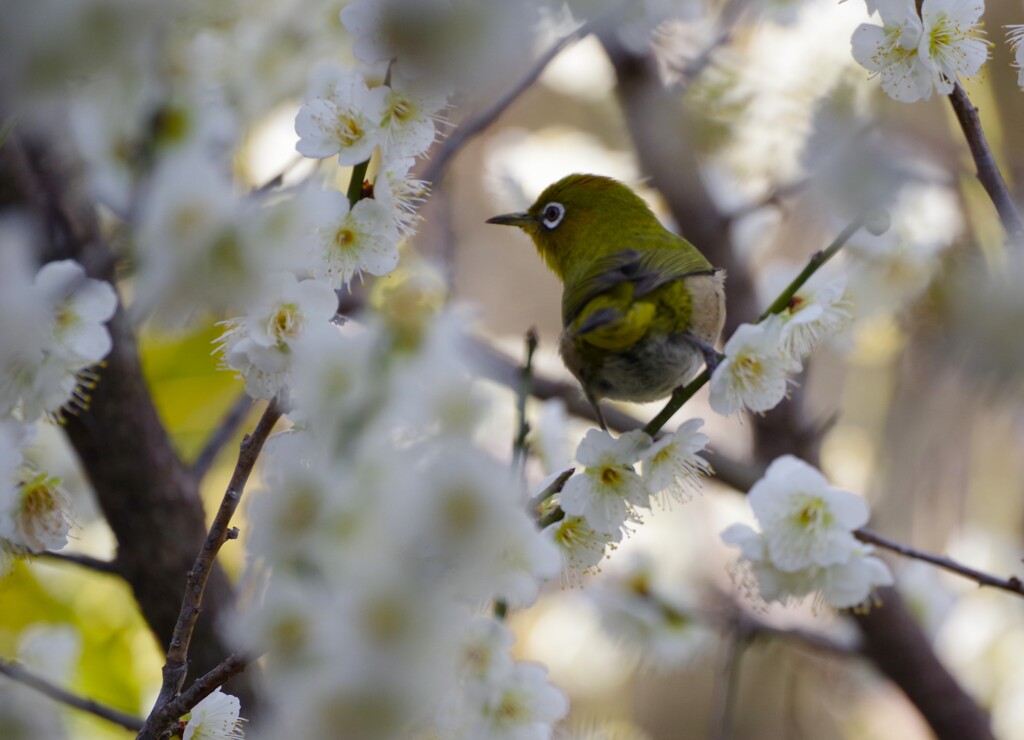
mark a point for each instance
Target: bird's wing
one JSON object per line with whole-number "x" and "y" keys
{"x": 646, "y": 270}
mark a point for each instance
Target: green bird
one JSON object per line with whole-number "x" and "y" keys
{"x": 642, "y": 308}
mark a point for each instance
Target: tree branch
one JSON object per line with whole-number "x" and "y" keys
{"x": 221, "y": 435}
{"x": 1013, "y": 584}
{"x": 17, "y": 672}
{"x": 85, "y": 561}
{"x": 202, "y": 687}
{"x": 987, "y": 170}
{"x": 176, "y": 668}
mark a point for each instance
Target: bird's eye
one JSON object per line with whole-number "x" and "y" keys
{"x": 553, "y": 214}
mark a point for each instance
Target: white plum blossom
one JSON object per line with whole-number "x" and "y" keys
{"x": 657, "y": 623}
{"x": 350, "y": 241}
{"x": 260, "y": 346}
{"x": 582, "y": 546}
{"x": 807, "y": 543}
{"x": 755, "y": 371}
{"x": 399, "y": 193}
{"x": 806, "y": 521}
{"x": 343, "y": 119}
{"x": 812, "y": 316}
{"x": 1016, "y": 37}
{"x": 843, "y": 585}
{"x": 214, "y": 718}
{"x": 915, "y": 55}
{"x": 79, "y": 308}
{"x": 410, "y": 118}
{"x": 671, "y": 467}
{"x": 608, "y": 490}
{"x": 34, "y": 512}
{"x": 201, "y": 245}
{"x": 522, "y": 707}
{"x": 53, "y": 329}
{"x": 485, "y": 659}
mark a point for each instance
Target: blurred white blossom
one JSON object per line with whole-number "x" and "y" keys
{"x": 261, "y": 344}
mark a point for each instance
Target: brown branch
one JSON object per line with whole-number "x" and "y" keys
{"x": 221, "y": 435}
{"x": 202, "y": 687}
{"x": 1013, "y": 584}
{"x": 84, "y": 561}
{"x": 176, "y": 668}
{"x": 987, "y": 170}
{"x": 17, "y": 672}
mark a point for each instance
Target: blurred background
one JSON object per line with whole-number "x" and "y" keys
{"x": 767, "y": 137}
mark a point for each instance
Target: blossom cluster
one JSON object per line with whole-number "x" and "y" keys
{"x": 807, "y": 543}
{"x": 917, "y": 54}
{"x": 53, "y": 334}
{"x": 760, "y": 358}
{"x": 602, "y": 499}
{"x": 381, "y": 531}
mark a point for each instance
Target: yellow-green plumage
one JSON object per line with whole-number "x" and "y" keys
{"x": 641, "y": 306}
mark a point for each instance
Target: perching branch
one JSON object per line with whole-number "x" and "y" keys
{"x": 1013, "y": 584}
{"x": 987, "y": 170}
{"x": 176, "y": 668}
{"x": 817, "y": 261}
{"x": 17, "y": 672}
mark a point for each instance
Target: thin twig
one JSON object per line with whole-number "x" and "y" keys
{"x": 554, "y": 487}
{"x": 728, "y": 19}
{"x": 471, "y": 127}
{"x": 221, "y": 435}
{"x": 85, "y": 561}
{"x": 727, "y": 684}
{"x": 987, "y": 170}
{"x": 1013, "y": 584}
{"x": 205, "y": 685}
{"x": 17, "y": 672}
{"x": 176, "y": 668}
{"x": 523, "y": 393}
{"x": 277, "y": 179}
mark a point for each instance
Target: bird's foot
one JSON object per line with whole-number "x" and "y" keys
{"x": 711, "y": 355}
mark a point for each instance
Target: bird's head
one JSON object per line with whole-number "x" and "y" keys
{"x": 581, "y": 218}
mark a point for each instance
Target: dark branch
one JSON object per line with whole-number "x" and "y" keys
{"x": 221, "y": 435}
{"x": 19, "y": 673}
{"x": 1013, "y": 584}
{"x": 987, "y": 170}
{"x": 203, "y": 686}
{"x": 85, "y": 561}
{"x": 176, "y": 668}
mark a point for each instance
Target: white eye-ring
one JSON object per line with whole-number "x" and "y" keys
{"x": 553, "y": 214}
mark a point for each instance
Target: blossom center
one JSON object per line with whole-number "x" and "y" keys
{"x": 348, "y": 130}
{"x": 286, "y": 322}
{"x": 610, "y": 476}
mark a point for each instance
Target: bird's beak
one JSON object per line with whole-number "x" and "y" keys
{"x": 522, "y": 220}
